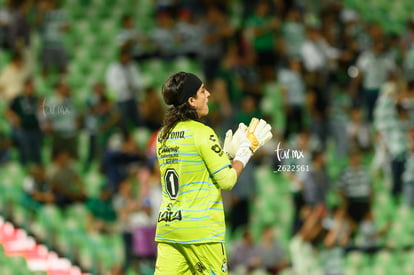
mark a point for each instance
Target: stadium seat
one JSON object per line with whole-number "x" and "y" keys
{"x": 64, "y": 242}
{"x": 77, "y": 214}
{"x": 90, "y": 255}
{"x": 115, "y": 242}
{"x": 50, "y": 219}
{"x": 22, "y": 216}
{"x": 75, "y": 10}
{"x": 86, "y": 256}
{"x": 10, "y": 197}
{"x": 93, "y": 183}
{"x": 356, "y": 259}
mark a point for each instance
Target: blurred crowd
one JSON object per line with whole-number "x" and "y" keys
{"x": 319, "y": 76}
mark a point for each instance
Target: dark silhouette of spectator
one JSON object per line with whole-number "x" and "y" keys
{"x": 123, "y": 80}
{"x": 316, "y": 55}
{"x": 187, "y": 30}
{"x": 53, "y": 22}
{"x": 241, "y": 195}
{"x": 118, "y": 162}
{"x": 262, "y": 25}
{"x": 152, "y": 110}
{"x": 316, "y": 109}
{"x": 293, "y": 87}
{"x": 358, "y": 130}
{"x": 244, "y": 255}
{"x": 102, "y": 215}
{"x": 164, "y": 37}
{"x": 19, "y": 32}
{"x": 215, "y": 31}
{"x": 272, "y": 255}
{"x": 317, "y": 184}
{"x": 126, "y": 204}
{"x": 226, "y": 84}
{"x": 67, "y": 185}
{"x": 397, "y": 142}
{"x": 134, "y": 38}
{"x": 339, "y": 118}
{"x": 6, "y": 17}
{"x": 374, "y": 65}
{"x": 248, "y": 74}
{"x": 355, "y": 188}
{"x": 100, "y": 121}
{"x": 369, "y": 235}
{"x": 293, "y": 31}
{"x": 248, "y": 109}
{"x": 62, "y": 120}
{"x": 38, "y": 187}
{"x": 23, "y": 115}
{"x": 306, "y": 143}
{"x": 408, "y": 175}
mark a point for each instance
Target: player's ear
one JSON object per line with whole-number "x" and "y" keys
{"x": 191, "y": 101}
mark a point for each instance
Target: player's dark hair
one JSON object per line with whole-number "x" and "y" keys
{"x": 177, "y": 112}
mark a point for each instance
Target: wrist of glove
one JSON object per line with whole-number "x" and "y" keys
{"x": 244, "y": 153}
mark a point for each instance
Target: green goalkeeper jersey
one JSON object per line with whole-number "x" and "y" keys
{"x": 192, "y": 208}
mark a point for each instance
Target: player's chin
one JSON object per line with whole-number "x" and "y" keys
{"x": 205, "y": 111}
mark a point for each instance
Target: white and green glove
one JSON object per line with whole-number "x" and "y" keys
{"x": 232, "y": 141}
{"x": 259, "y": 132}
{"x": 256, "y": 135}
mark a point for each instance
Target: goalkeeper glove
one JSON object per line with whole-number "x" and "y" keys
{"x": 258, "y": 133}
{"x": 232, "y": 142}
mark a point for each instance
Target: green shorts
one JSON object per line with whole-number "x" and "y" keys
{"x": 191, "y": 259}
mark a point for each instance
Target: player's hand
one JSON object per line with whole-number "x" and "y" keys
{"x": 244, "y": 152}
{"x": 232, "y": 142}
{"x": 258, "y": 133}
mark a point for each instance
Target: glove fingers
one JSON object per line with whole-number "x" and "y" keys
{"x": 267, "y": 129}
{"x": 267, "y": 137}
{"x": 262, "y": 124}
{"x": 227, "y": 139}
{"x": 240, "y": 131}
{"x": 253, "y": 125}
{"x": 263, "y": 132}
{"x": 229, "y": 135}
{"x": 242, "y": 127}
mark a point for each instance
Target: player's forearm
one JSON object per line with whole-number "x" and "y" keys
{"x": 226, "y": 178}
{"x": 238, "y": 167}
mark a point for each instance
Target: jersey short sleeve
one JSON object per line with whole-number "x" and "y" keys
{"x": 211, "y": 151}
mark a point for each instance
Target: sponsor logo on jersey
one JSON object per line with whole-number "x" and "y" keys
{"x": 224, "y": 267}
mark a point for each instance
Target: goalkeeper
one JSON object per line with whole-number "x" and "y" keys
{"x": 194, "y": 168}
